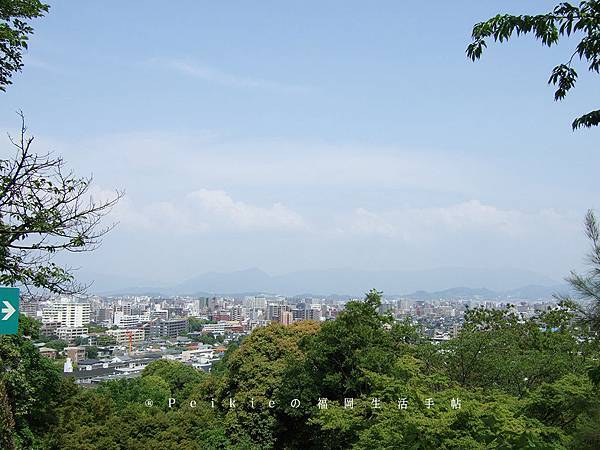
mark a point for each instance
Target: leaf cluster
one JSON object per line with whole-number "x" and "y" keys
{"x": 564, "y": 20}
{"x": 15, "y": 31}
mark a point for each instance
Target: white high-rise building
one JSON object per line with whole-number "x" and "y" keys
{"x": 68, "y": 313}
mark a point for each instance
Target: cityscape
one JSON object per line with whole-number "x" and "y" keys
{"x": 105, "y": 338}
{"x": 274, "y": 225}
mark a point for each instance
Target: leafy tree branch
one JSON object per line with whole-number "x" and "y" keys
{"x": 565, "y": 20}
{"x": 45, "y": 209}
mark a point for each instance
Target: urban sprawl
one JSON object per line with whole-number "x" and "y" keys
{"x": 95, "y": 339}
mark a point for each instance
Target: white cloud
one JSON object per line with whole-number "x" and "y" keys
{"x": 181, "y": 158}
{"x": 214, "y": 75}
{"x": 367, "y": 222}
{"x": 336, "y": 204}
{"x": 206, "y": 210}
{"x": 431, "y": 223}
{"x": 243, "y": 215}
{"x": 473, "y": 215}
{"x": 209, "y": 210}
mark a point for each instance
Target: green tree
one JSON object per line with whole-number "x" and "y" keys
{"x": 196, "y": 324}
{"x": 346, "y": 357}
{"x": 562, "y": 402}
{"x": 57, "y": 344}
{"x": 180, "y": 378}
{"x": 80, "y": 340}
{"x": 29, "y": 327}
{"x": 93, "y": 328}
{"x": 587, "y": 435}
{"x": 44, "y": 209}
{"x": 205, "y": 338}
{"x": 220, "y": 367}
{"x": 91, "y": 352}
{"x": 30, "y": 389}
{"x": 137, "y": 390}
{"x": 587, "y": 285}
{"x": 106, "y": 340}
{"x": 357, "y": 340}
{"x": 497, "y": 350}
{"x": 256, "y": 372}
{"x": 112, "y": 418}
{"x": 481, "y": 423}
{"x": 564, "y": 20}
{"x": 14, "y": 34}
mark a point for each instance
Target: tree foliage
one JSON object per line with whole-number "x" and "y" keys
{"x": 180, "y": 379}
{"x": 587, "y": 285}
{"x": 30, "y": 390}
{"x": 14, "y": 34}
{"x": 498, "y": 350}
{"x": 44, "y": 209}
{"x": 255, "y": 373}
{"x": 565, "y": 20}
{"x": 522, "y": 383}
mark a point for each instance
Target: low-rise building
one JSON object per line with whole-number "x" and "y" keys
{"x": 75, "y": 353}
{"x": 48, "y": 352}
{"x": 122, "y": 336}
{"x": 91, "y": 372}
{"x": 48, "y": 329}
{"x": 223, "y": 327}
{"x": 70, "y": 333}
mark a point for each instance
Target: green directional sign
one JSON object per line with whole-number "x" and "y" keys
{"x": 9, "y": 310}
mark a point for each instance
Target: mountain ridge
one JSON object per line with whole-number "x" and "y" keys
{"x": 443, "y": 282}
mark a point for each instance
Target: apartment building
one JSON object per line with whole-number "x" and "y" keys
{"x": 122, "y": 336}
{"x": 168, "y": 328}
{"x": 70, "y": 333}
{"x": 67, "y": 313}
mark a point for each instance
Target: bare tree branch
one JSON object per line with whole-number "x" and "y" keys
{"x": 45, "y": 209}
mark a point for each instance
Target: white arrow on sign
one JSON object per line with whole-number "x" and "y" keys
{"x": 9, "y": 310}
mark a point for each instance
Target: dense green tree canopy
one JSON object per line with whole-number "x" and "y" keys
{"x": 519, "y": 383}
{"x": 31, "y": 389}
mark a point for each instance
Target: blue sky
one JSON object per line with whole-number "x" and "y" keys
{"x": 295, "y": 135}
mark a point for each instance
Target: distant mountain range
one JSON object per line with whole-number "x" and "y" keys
{"x": 531, "y": 292}
{"x": 425, "y": 284}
